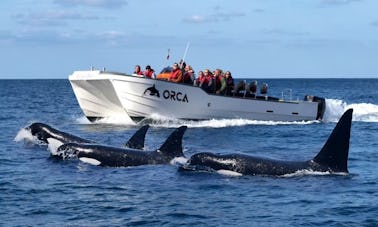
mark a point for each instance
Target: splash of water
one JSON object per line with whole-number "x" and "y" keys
{"x": 24, "y": 135}
{"x": 365, "y": 112}
{"x": 117, "y": 120}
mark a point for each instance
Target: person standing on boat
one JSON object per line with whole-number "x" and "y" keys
{"x": 176, "y": 74}
{"x": 149, "y": 73}
{"x": 138, "y": 71}
{"x": 220, "y": 82}
{"x": 206, "y": 81}
{"x": 188, "y": 77}
{"x": 229, "y": 83}
{"x": 201, "y": 77}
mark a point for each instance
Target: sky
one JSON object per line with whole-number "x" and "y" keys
{"x": 250, "y": 38}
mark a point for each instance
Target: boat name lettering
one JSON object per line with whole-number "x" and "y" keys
{"x": 176, "y": 96}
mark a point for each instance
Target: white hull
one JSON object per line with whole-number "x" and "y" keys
{"x": 105, "y": 94}
{"x": 95, "y": 95}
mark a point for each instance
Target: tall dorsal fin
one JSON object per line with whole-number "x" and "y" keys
{"x": 137, "y": 140}
{"x": 334, "y": 153}
{"x": 172, "y": 147}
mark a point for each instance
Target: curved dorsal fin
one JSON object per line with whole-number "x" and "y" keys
{"x": 334, "y": 153}
{"x": 137, "y": 140}
{"x": 172, "y": 147}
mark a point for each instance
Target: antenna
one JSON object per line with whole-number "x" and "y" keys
{"x": 186, "y": 51}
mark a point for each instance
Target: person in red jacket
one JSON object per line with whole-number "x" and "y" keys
{"x": 149, "y": 73}
{"x": 176, "y": 74}
{"x": 201, "y": 77}
{"x": 188, "y": 76}
{"x": 207, "y": 81}
{"x": 138, "y": 71}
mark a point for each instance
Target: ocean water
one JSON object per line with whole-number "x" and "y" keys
{"x": 36, "y": 189}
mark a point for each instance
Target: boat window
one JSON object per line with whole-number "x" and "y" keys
{"x": 167, "y": 69}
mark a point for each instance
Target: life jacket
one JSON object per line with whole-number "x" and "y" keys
{"x": 230, "y": 81}
{"x": 139, "y": 72}
{"x": 208, "y": 78}
{"x": 218, "y": 82}
{"x": 149, "y": 73}
{"x": 187, "y": 79}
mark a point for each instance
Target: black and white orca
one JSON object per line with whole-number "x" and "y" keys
{"x": 332, "y": 158}
{"x": 123, "y": 157}
{"x": 44, "y": 133}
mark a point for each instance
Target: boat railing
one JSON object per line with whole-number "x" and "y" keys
{"x": 287, "y": 95}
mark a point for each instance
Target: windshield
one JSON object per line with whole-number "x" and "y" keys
{"x": 167, "y": 69}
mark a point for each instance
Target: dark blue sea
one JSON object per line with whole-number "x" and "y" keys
{"x": 36, "y": 189}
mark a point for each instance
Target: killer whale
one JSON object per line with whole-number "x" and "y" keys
{"x": 332, "y": 158}
{"x": 122, "y": 157}
{"x": 44, "y": 132}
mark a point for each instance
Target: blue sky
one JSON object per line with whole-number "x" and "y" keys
{"x": 251, "y": 38}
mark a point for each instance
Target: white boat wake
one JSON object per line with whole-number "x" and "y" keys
{"x": 363, "y": 112}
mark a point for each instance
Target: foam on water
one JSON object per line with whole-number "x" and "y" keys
{"x": 82, "y": 120}
{"x": 118, "y": 120}
{"x": 179, "y": 161}
{"x": 26, "y": 136}
{"x": 312, "y": 173}
{"x": 306, "y": 172}
{"x": 365, "y": 112}
{"x": 157, "y": 120}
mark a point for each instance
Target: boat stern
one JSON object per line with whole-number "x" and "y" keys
{"x": 321, "y": 105}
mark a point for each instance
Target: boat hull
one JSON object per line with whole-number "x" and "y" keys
{"x": 95, "y": 95}
{"x": 139, "y": 98}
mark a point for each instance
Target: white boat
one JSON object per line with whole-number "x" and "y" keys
{"x": 103, "y": 94}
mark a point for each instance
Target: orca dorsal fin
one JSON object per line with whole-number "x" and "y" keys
{"x": 334, "y": 153}
{"x": 172, "y": 147}
{"x": 137, "y": 140}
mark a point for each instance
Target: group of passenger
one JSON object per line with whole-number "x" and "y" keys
{"x": 149, "y": 72}
{"x": 217, "y": 82}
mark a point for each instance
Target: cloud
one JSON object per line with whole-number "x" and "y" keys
{"x": 51, "y": 18}
{"x": 35, "y": 36}
{"x": 105, "y": 4}
{"x": 282, "y": 32}
{"x": 337, "y": 2}
{"x": 196, "y": 19}
{"x": 374, "y": 23}
{"x": 216, "y": 17}
{"x": 108, "y": 38}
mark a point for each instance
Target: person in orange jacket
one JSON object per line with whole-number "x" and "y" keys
{"x": 176, "y": 74}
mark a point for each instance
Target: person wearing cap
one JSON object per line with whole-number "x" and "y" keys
{"x": 149, "y": 73}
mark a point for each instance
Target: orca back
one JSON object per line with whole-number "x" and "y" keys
{"x": 43, "y": 132}
{"x": 335, "y": 151}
